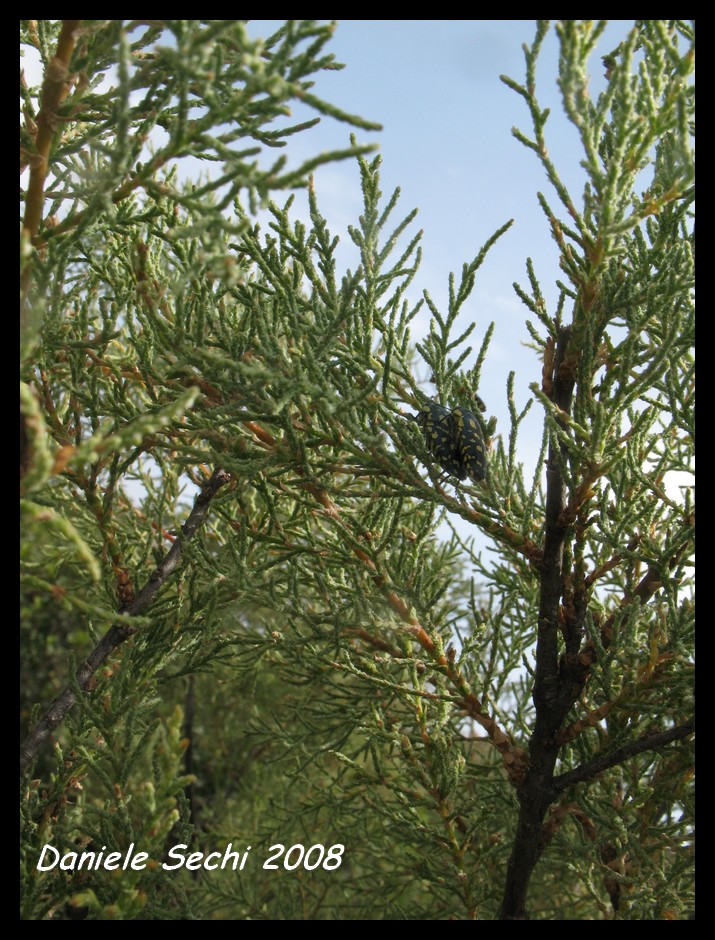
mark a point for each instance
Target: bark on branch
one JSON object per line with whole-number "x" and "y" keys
{"x": 118, "y": 633}
{"x": 618, "y": 755}
{"x": 54, "y": 90}
{"x": 536, "y": 795}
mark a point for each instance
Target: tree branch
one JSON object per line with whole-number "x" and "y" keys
{"x": 537, "y": 793}
{"x": 54, "y": 90}
{"x": 546, "y": 684}
{"x": 618, "y": 755}
{"x": 118, "y": 633}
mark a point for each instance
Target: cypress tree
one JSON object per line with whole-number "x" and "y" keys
{"x": 242, "y": 620}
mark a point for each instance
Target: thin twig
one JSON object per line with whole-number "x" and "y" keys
{"x": 118, "y": 633}
{"x": 54, "y": 90}
{"x": 618, "y": 755}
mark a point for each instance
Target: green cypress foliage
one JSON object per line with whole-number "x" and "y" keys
{"x": 252, "y": 610}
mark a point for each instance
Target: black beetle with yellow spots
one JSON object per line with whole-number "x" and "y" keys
{"x": 438, "y": 430}
{"x": 470, "y": 443}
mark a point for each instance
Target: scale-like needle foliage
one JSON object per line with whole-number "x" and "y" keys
{"x": 251, "y": 584}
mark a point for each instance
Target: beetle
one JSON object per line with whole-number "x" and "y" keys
{"x": 470, "y": 444}
{"x": 438, "y": 427}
